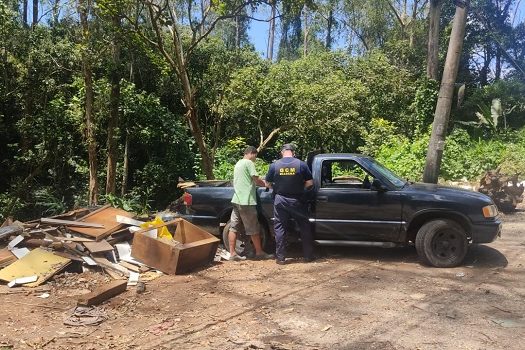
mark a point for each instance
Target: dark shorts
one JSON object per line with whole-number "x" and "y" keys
{"x": 245, "y": 217}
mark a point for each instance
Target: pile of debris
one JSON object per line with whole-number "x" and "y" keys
{"x": 101, "y": 239}
{"x": 505, "y": 190}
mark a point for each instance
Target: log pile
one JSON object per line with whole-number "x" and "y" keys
{"x": 505, "y": 190}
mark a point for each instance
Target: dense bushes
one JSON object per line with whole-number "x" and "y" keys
{"x": 464, "y": 158}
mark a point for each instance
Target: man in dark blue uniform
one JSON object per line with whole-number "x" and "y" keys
{"x": 289, "y": 177}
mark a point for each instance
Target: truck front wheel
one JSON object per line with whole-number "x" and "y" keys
{"x": 243, "y": 245}
{"x": 441, "y": 243}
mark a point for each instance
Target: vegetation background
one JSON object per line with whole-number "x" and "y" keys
{"x": 113, "y": 101}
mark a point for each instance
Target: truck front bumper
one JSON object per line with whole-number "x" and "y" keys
{"x": 486, "y": 232}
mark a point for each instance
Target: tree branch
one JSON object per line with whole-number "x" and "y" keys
{"x": 394, "y": 10}
{"x": 208, "y": 31}
{"x": 264, "y": 142}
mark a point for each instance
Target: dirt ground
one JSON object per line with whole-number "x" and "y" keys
{"x": 351, "y": 298}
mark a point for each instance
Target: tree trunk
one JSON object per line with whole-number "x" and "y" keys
{"x": 125, "y": 167}
{"x": 305, "y": 33}
{"x": 446, "y": 91}
{"x": 89, "y": 100}
{"x": 433, "y": 39}
{"x": 191, "y": 107}
{"x": 35, "y": 12}
{"x": 56, "y": 5}
{"x": 114, "y": 102}
{"x": 498, "y": 65}
{"x": 24, "y": 12}
{"x": 483, "y": 75}
{"x": 328, "y": 43}
{"x": 271, "y": 32}
{"x": 237, "y": 33}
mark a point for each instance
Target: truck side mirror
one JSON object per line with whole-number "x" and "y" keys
{"x": 377, "y": 185}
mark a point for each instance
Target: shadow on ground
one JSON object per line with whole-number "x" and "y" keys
{"x": 478, "y": 256}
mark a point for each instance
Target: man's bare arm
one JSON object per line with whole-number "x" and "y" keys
{"x": 258, "y": 181}
{"x": 308, "y": 183}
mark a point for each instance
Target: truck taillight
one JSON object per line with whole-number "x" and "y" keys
{"x": 187, "y": 199}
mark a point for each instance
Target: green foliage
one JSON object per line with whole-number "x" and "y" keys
{"x": 404, "y": 157}
{"x": 424, "y": 104}
{"x": 369, "y": 96}
{"x": 469, "y": 158}
{"x": 137, "y": 203}
{"x": 510, "y": 93}
{"x": 48, "y": 202}
{"x": 227, "y": 155}
{"x": 380, "y": 132}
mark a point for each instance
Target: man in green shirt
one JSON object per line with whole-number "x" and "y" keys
{"x": 244, "y": 214}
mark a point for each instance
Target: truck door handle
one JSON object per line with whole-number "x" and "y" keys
{"x": 322, "y": 198}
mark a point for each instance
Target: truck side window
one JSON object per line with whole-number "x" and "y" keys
{"x": 344, "y": 174}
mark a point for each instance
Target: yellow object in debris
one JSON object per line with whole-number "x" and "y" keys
{"x": 162, "y": 232}
{"x": 38, "y": 262}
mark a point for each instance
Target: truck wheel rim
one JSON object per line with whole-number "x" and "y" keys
{"x": 446, "y": 245}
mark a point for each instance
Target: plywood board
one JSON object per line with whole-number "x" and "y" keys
{"x": 105, "y": 216}
{"x": 98, "y": 247}
{"x": 38, "y": 262}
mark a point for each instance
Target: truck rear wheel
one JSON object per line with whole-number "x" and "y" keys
{"x": 244, "y": 245}
{"x": 441, "y": 243}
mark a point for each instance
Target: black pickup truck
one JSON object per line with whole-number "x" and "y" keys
{"x": 357, "y": 201}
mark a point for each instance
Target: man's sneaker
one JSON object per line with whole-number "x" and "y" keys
{"x": 263, "y": 256}
{"x": 237, "y": 257}
{"x": 280, "y": 262}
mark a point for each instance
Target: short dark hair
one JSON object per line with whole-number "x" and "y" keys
{"x": 250, "y": 150}
{"x": 288, "y": 147}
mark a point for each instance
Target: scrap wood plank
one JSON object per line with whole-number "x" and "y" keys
{"x": 133, "y": 267}
{"x": 70, "y": 215}
{"x": 105, "y": 216}
{"x": 6, "y": 257}
{"x": 98, "y": 247}
{"x": 103, "y": 293}
{"x": 68, "y": 223}
{"x": 7, "y": 222}
{"x": 38, "y": 262}
{"x": 106, "y": 264}
{"x": 74, "y": 239}
{"x": 10, "y": 230}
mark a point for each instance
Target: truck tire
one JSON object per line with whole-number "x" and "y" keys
{"x": 441, "y": 243}
{"x": 244, "y": 244}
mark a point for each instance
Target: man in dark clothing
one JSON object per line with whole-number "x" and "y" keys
{"x": 289, "y": 177}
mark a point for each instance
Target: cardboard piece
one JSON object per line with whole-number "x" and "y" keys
{"x": 128, "y": 221}
{"x": 15, "y": 242}
{"x": 38, "y": 262}
{"x": 22, "y": 280}
{"x": 124, "y": 254}
{"x": 197, "y": 248}
{"x": 20, "y": 252}
{"x": 105, "y": 216}
{"x": 89, "y": 261}
{"x": 133, "y": 278}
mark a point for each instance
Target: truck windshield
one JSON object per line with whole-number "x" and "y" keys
{"x": 390, "y": 176}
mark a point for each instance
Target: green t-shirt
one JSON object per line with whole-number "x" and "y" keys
{"x": 243, "y": 183}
